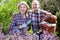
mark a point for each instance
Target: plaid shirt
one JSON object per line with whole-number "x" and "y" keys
{"x": 18, "y": 20}
{"x": 36, "y": 20}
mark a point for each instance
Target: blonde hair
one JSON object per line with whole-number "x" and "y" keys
{"x": 24, "y": 3}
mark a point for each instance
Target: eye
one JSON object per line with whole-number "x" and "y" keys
{"x": 20, "y": 7}
{"x": 34, "y": 4}
{"x": 23, "y": 7}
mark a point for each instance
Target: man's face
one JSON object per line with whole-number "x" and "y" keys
{"x": 35, "y": 6}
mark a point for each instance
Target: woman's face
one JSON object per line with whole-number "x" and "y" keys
{"x": 22, "y": 8}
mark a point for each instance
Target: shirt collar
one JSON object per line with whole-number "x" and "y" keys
{"x": 25, "y": 15}
{"x": 38, "y": 11}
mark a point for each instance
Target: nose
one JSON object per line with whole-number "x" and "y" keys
{"x": 22, "y": 8}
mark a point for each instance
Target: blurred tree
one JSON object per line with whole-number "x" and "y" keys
{"x": 58, "y": 22}
{"x": 52, "y": 6}
{"x": 7, "y": 8}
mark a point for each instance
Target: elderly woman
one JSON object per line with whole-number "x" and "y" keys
{"x": 20, "y": 21}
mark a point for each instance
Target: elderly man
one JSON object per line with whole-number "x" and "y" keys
{"x": 37, "y": 16}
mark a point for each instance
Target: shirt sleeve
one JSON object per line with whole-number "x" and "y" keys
{"x": 28, "y": 23}
{"x": 13, "y": 22}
